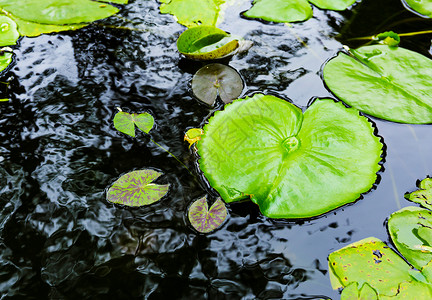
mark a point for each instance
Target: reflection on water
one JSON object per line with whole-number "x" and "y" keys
{"x": 60, "y": 239}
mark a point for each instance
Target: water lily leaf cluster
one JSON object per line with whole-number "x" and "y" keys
{"x": 423, "y": 7}
{"x": 217, "y": 79}
{"x": 292, "y": 11}
{"x": 35, "y": 17}
{"x": 264, "y": 148}
{"x": 136, "y": 188}
{"x": 390, "y": 83}
{"x": 206, "y": 220}
{"x": 371, "y": 265}
{"x": 126, "y": 122}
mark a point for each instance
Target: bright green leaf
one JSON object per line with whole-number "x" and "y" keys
{"x": 389, "y": 38}
{"x": 125, "y": 122}
{"x": 5, "y": 58}
{"x": 292, "y": 166}
{"x": 280, "y": 10}
{"x": 136, "y": 188}
{"x": 4, "y": 100}
{"x": 115, "y": 1}
{"x": 423, "y": 195}
{"x": 8, "y": 32}
{"x": 193, "y": 12}
{"x": 205, "y": 220}
{"x": 391, "y": 83}
{"x": 411, "y": 231}
{"x": 423, "y": 7}
{"x": 214, "y": 79}
{"x": 193, "y": 135}
{"x": 31, "y": 29}
{"x": 333, "y": 4}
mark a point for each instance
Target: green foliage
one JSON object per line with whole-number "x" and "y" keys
{"x": 5, "y": 58}
{"x": 389, "y": 38}
{"x": 193, "y": 12}
{"x": 8, "y": 32}
{"x": 214, "y": 79}
{"x": 125, "y": 122}
{"x": 423, "y": 7}
{"x": 423, "y": 195}
{"x": 206, "y": 43}
{"x": 291, "y": 165}
{"x": 205, "y": 220}
{"x": 333, "y": 4}
{"x": 391, "y": 83}
{"x": 136, "y": 188}
{"x": 193, "y": 135}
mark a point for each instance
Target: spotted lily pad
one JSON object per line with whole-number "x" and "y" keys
{"x": 206, "y": 43}
{"x": 291, "y": 165}
{"x": 423, "y": 196}
{"x": 125, "y": 122}
{"x": 136, "y": 188}
{"x": 193, "y": 135}
{"x": 205, "y": 220}
{"x": 5, "y": 58}
{"x": 391, "y": 83}
{"x": 423, "y": 7}
{"x": 217, "y": 79}
{"x": 411, "y": 231}
{"x": 8, "y": 31}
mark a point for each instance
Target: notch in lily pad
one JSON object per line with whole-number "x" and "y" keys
{"x": 125, "y": 122}
{"x": 206, "y": 220}
{"x": 217, "y": 79}
{"x": 136, "y": 188}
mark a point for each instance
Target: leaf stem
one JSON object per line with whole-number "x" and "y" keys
{"x": 400, "y": 34}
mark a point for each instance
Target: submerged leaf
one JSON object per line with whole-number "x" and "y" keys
{"x": 125, "y": 122}
{"x": 8, "y": 31}
{"x": 423, "y": 7}
{"x": 292, "y": 166}
{"x": 214, "y": 79}
{"x": 136, "y": 188}
{"x": 423, "y": 195}
{"x": 411, "y": 231}
{"x": 391, "y": 83}
{"x": 205, "y": 220}
{"x": 5, "y": 58}
{"x": 193, "y": 135}
{"x": 280, "y": 10}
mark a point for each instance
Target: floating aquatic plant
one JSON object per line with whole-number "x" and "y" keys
{"x": 390, "y": 83}
{"x": 126, "y": 122}
{"x": 217, "y": 79}
{"x": 136, "y": 188}
{"x": 193, "y": 135}
{"x": 8, "y": 31}
{"x": 423, "y": 7}
{"x": 205, "y": 220}
{"x": 293, "y": 165}
{"x": 423, "y": 195}
{"x": 5, "y": 58}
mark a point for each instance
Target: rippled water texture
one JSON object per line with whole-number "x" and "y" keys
{"x": 60, "y": 238}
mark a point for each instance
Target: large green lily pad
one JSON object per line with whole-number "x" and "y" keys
{"x": 5, "y": 59}
{"x": 423, "y": 195}
{"x": 193, "y": 12}
{"x": 391, "y": 83}
{"x": 291, "y": 165}
{"x": 411, "y": 231}
{"x": 291, "y": 11}
{"x": 8, "y": 31}
{"x": 136, "y": 188}
{"x": 423, "y": 7}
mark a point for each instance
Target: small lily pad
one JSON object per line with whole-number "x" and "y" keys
{"x": 205, "y": 220}
{"x": 423, "y": 196}
{"x": 214, "y": 79}
{"x": 193, "y": 135}
{"x": 5, "y": 58}
{"x": 8, "y": 32}
{"x": 125, "y": 122}
{"x": 206, "y": 43}
{"x": 136, "y": 188}
{"x": 389, "y": 38}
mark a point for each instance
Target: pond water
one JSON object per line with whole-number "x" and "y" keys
{"x": 60, "y": 238}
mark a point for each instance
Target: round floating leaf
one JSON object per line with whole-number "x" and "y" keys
{"x": 333, "y": 4}
{"x": 206, "y": 43}
{"x": 292, "y": 166}
{"x": 205, "y": 220}
{"x": 391, "y": 83}
{"x": 136, "y": 188}
{"x": 214, "y": 79}
{"x": 193, "y": 12}
{"x": 5, "y": 58}
{"x": 423, "y": 196}
{"x": 125, "y": 122}
{"x": 8, "y": 32}
{"x": 411, "y": 231}
{"x": 423, "y": 7}
{"x": 280, "y": 10}
{"x": 193, "y": 135}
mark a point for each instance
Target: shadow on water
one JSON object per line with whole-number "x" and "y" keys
{"x": 60, "y": 238}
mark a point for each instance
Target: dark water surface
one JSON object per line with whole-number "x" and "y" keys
{"x": 60, "y": 238}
